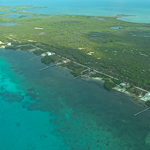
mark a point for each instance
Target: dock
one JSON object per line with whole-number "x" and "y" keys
{"x": 35, "y": 57}
{"x": 77, "y": 77}
{"x": 141, "y": 111}
{"x": 47, "y": 67}
{"x": 50, "y": 66}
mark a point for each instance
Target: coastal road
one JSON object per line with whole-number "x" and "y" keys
{"x": 106, "y": 74}
{"x": 141, "y": 89}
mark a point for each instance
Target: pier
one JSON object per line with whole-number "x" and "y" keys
{"x": 141, "y": 111}
{"x": 35, "y": 57}
{"x": 47, "y": 67}
{"x": 50, "y": 66}
{"x": 77, "y": 77}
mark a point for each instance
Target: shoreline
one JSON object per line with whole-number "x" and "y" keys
{"x": 100, "y": 80}
{"x": 79, "y": 68}
{"x": 137, "y": 99}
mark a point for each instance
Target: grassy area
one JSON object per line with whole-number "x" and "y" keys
{"x": 109, "y": 85}
{"x": 112, "y": 46}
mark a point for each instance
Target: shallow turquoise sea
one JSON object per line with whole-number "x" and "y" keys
{"x": 49, "y": 110}
{"x": 139, "y": 9}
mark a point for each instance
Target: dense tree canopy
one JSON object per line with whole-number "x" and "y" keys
{"x": 112, "y": 46}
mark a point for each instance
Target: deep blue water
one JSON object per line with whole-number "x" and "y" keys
{"x": 50, "y": 110}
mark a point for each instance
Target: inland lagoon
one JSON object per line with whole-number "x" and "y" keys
{"x": 49, "y": 110}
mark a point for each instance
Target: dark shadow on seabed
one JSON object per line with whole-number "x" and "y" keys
{"x": 87, "y": 116}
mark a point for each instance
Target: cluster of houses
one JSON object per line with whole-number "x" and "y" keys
{"x": 65, "y": 60}
{"x": 47, "y": 53}
{"x": 123, "y": 87}
{"x": 146, "y": 97}
{"x": 2, "y": 44}
{"x": 51, "y": 53}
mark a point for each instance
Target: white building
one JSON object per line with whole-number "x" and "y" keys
{"x": 43, "y": 54}
{"x": 122, "y": 84}
{"x": 8, "y": 44}
{"x": 146, "y": 97}
{"x": 49, "y": 53}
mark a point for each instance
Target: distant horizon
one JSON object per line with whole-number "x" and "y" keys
{"x": 138, "y": 8}
{"x": 76, "y": 2}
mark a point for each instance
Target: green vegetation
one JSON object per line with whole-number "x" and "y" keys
{"x": 147, "y": 103}
{"x": 75, "y": 73}
{"x": 38, "y": 52}
{"x": 122, "y": 53}
{"x": 108, "y": 85}
{"x": 99, "y": 75}
{"x": 47, "y": 59}
{"x": 75, "y": 69}
{"x": 129, "y": 88}
{"x": 4, "y": 8}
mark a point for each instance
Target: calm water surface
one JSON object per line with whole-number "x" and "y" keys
{"x": 138, "y": 8}
{"x": 50, "y": 110}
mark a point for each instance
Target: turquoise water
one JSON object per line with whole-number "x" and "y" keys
{"x": 116, "y": 27}
{"x": 15, "y": 15}
{"x": 141, "y": 16}
{"x": 49, "y": 110}
{"x": 9, "y": 24}
{"x": 4, "y": 12}
{"x": 139, "y": 8}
